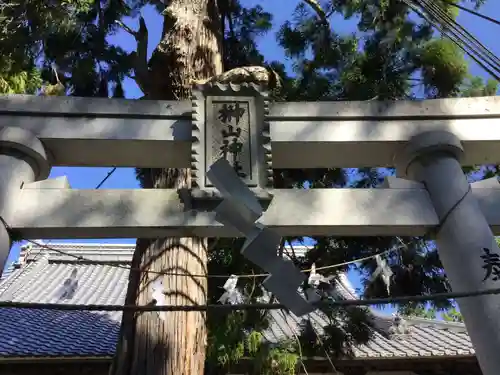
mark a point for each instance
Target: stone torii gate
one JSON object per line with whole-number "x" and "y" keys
{"x": 427, "y": 142}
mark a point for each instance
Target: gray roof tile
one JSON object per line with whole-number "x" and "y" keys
{"x": 53, "y": 278}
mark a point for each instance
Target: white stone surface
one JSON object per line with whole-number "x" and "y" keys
{"x": 463, "y": 236}
{"x": 487, "y": 106}
{"x": 66, "y": 213}
{"x": 104, "y": 132}
{"x": 72, "y": 105}
{"x": 61, "y": 182}
{"x": 315, "y": 143}
{"x": 143, "y": 133}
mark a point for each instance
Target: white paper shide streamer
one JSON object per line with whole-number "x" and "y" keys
{"x": 241, "y": 210}
{"x": 158, "y": 295}
{"x": 319, "y": 286}
{"x": 311, "y": 292}
{"x": 231, "y": 294}
{"x": 384, "y": 271}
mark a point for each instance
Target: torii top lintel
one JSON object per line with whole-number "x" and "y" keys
{"x": 143, "y": 133}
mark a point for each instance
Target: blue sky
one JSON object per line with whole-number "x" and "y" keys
{"x": 88, "y": 178}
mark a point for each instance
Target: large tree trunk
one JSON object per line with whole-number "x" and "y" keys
{"x": 172, "y": 343}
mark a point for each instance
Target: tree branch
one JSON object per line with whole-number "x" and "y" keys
{"x": 141, "y": 70}
{"x": 57, "y": 89}
{"x": 126, "y": 28}
{"x": 264, "y": 76}
{"x": 315, "y": 5}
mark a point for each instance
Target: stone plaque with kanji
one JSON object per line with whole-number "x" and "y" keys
{"x": 229, "y": 136}
{"x": 231, "y": 123}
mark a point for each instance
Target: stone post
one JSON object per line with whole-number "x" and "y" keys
{"x": 466, "y": 245}
{"x": 22, "y": 160}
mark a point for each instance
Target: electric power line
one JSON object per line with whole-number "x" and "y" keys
{"x": 430, "y": 16}
{"x": 450, "y": 28}
{"x": 239, "y": 307}
{"x": 473, "y": 12}
{"x": 111, "y": 171}
{"x": 443, "y": 17}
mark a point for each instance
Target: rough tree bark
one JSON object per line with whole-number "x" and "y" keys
{"x": 172, "y": 343}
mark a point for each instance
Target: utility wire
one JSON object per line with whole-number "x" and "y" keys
{"x": 470, "y": 52}
{"x": 468, "y": 10}
{"x": 239, "y": 307}
{"x": 476, "y": 45}
{"x": 443, "y": 17}
{"x": 435, "y": 21}
{"x": 451, "y": 26}
{"x": 83, "y": 260}
{"x": 297, "y": 341}
{"x": 318, "y": 336}
{"x": 112, "y": 170}
{"x": 493, "y": 57}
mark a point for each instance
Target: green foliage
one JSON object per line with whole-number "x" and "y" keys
{"x": 228, "y": 345}
{"x": 80, "y": 5}
{"x": 243, "y": 26}
{"x": 344, "y": 329}
{"x": 449, "y": 9}
{"x": 443, "y": 68}
{"x": 449, "y": 315}
{"x": 418, "y": 311}
{"x": 254, "y": 342}
{"x": 281, "y": 361}
{"x": 277, "y": 360}
{"x": 453, "y": 315}
{"x": 233, "y": 335}
{"x": 71, "y": 35}
{"x": 13, "y": 81}
{"x": 475, "y": 86}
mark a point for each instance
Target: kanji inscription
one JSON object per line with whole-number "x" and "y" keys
{"x": 229, "y": 137}
{"x": 229, "y": 122}
{"x": 491, "y": 264}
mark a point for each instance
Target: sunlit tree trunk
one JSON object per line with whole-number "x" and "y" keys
{"x": 172, "y": 343}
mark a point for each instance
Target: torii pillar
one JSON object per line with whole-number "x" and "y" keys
{"x": 466, "y": 245}
{"x": 22, "y": 160}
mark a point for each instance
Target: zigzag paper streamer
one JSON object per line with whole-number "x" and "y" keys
{"x": 240, "y": 209}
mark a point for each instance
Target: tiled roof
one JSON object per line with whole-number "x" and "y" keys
{"x": 52, "y": 278}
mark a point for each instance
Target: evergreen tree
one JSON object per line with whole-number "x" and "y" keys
{"x": 63, "y": 45}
